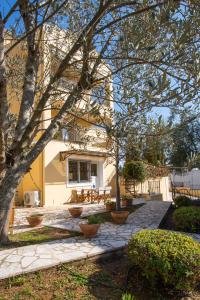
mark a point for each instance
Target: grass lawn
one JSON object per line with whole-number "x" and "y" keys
{"x": 103, "y": 279}
{"x": 106, "y": 216}
{"x": 38, "y": 235}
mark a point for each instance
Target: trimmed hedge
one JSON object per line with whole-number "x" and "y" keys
{"x": 187, "y": 219}
{"x": 182, "y": 201}
{"x": 168, "y": 258}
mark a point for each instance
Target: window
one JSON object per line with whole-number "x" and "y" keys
{"x": 93, "y": 169}
{"x": 81, "y": 171}
{"x": 84, "y": 171}
{"x": 73, "y": 171}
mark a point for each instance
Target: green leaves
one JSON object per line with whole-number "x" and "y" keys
{"x": 187, "y": 219}
{"x": 135, "y": 170}
{"x": 167, "y": 258}
{"x": 127, "y": 296}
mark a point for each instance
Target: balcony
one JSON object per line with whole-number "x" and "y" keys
{"x": 71, "y": 136}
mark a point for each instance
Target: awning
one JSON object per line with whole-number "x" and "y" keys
{"x": 65, "y": 154}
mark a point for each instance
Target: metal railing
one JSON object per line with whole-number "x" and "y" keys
{"x": 154, "y": 186}
{"x": 193, "y": 193}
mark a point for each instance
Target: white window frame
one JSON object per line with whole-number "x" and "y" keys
{"x": 80, "y": 183}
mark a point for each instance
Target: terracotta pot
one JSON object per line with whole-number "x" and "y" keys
{"x": 110, "y": 206}
{"x": 129, "y": 203}
{"x": 124, "y": 202}
{"x": 35, "y": 220}
{"x": 89, "y": 230}
{"x": 75, "y": 211}
{"x": 119, "y": 217}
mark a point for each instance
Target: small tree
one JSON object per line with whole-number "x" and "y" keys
{"x": 136, "y": 171}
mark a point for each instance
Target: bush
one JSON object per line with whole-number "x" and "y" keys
{"x": 135, "y": 170}
{"x": 94, "y": 219}
{"x": 127, "y": 297}
{"x": 127, "y": 197}
{"x": 187, "y": 219}
{"x": 182, "y": 201}
{"x": 168, "y": 258}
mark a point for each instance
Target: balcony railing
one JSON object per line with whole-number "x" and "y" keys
{"x": 73, "y": 136}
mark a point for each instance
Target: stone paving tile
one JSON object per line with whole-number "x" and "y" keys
{"x": 51, "y": 214}
{"x": 110, "y": 237}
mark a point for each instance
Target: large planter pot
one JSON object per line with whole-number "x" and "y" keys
{"x": 89, "y": 230}
{"x": 35, "y": 220}
{"x": 119, "y": 217}
{"x": 75, "y": 211}
{"x": 110, "y": 206}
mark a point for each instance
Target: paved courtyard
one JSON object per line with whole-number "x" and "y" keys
{"x": 110, "y": 237}
{"x": 51, "y": 214}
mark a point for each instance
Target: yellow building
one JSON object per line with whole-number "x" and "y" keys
{"x": 68, "y": 161}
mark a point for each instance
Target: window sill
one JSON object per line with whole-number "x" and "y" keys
{"x": 79, "y": 184}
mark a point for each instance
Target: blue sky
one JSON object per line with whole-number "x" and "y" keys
{"x": 5, "y": 6}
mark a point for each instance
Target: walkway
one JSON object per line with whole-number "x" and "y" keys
{"x": 50, "y": 214}
{"x": 111, "y": 237}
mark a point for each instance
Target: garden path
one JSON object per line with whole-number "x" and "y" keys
{"x": 110, "y": 237}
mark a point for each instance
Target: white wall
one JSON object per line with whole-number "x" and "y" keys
{"x": 143, "y": 188}
{"x": 164, "y": 187}
{"x": 188, "y": 179}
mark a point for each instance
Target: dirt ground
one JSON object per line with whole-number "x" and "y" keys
{"x": 106, "y": 279}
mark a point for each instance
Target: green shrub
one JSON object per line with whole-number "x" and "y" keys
{"x": 127, "y": 197}
{"x": 127, "y": 297}
{"x": 135, "y": 170}
{"x": 187, "y": 219}
{"x": 182, "y": 201}
{"x": 94, "y": 220}
{"x": 168, "y": 258}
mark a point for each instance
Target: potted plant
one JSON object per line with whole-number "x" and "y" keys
{"x": 91, "y": 227}
{"x": 35, "y": 219}
{"x": 126, "y": 200}
{"x": 110, "y": 205}
{"x": 119, "y": 216}
{"x": 75, "y": 211}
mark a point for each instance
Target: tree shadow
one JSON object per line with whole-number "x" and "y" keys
{"x": 115, "y": 276}
{"x": 108, "y": 280}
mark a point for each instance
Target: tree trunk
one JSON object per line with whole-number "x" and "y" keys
{"x": 4, "y": 224}
{"x": 7, "y": 191}
{"x": 118, "y": 206}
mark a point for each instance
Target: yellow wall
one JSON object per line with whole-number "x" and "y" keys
{"x": 32, "y": 181}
